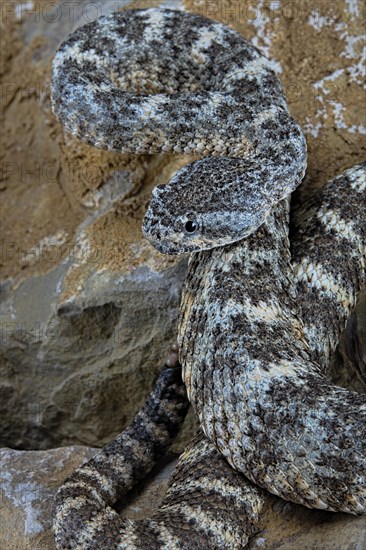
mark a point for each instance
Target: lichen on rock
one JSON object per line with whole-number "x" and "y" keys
{"x": 88, "y": 307}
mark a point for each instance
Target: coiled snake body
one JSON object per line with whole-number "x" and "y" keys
{"x": 159, "y": 80}
{"x": 253, "y": 340}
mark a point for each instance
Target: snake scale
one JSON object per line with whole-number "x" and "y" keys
{"x": 258, "y": 321}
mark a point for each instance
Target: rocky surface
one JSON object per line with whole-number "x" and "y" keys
{"x": 287, "y": 526}
{"x": 29, "y": 480}
{"x": 88, "y": 308}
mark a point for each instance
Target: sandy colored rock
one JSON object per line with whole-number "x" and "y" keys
{"x": 88, "y": 307}
{"x": 287, "y": 526}
{"x": 316, "y": 48}
{"x": 29, "y": 480}
{"x": 348, "y": 367}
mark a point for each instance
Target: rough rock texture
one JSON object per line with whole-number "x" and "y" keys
{"x": 29, "y": 480}
{"x": 28, "y": 483}
{"x": 348, "y": 367}
{"x": 317, "y": 49}
{"x": 88, "y": 307}
{"x": 287, "y": 526}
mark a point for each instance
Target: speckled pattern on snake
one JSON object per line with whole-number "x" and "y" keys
{"x": 257, "y": 326}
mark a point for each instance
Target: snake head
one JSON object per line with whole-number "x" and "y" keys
{"x": 208, "y": 203}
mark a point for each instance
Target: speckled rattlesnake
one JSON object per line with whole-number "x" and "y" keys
{"x": 251, "y": 329}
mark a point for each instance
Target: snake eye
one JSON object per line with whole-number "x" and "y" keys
{"x": 191, "y": 227}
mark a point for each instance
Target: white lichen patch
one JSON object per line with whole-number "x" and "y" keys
{"x": 42, "y": 250}
{"x": 353, "y": 7}
{"x": 263, "y": 36}
{"x": 23, "y": 495}
{"x": 172, "y": 5}
{"x": 319, "y": 21}
{"x": 342, "y": 85}
{"x": 21, "y": 8}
